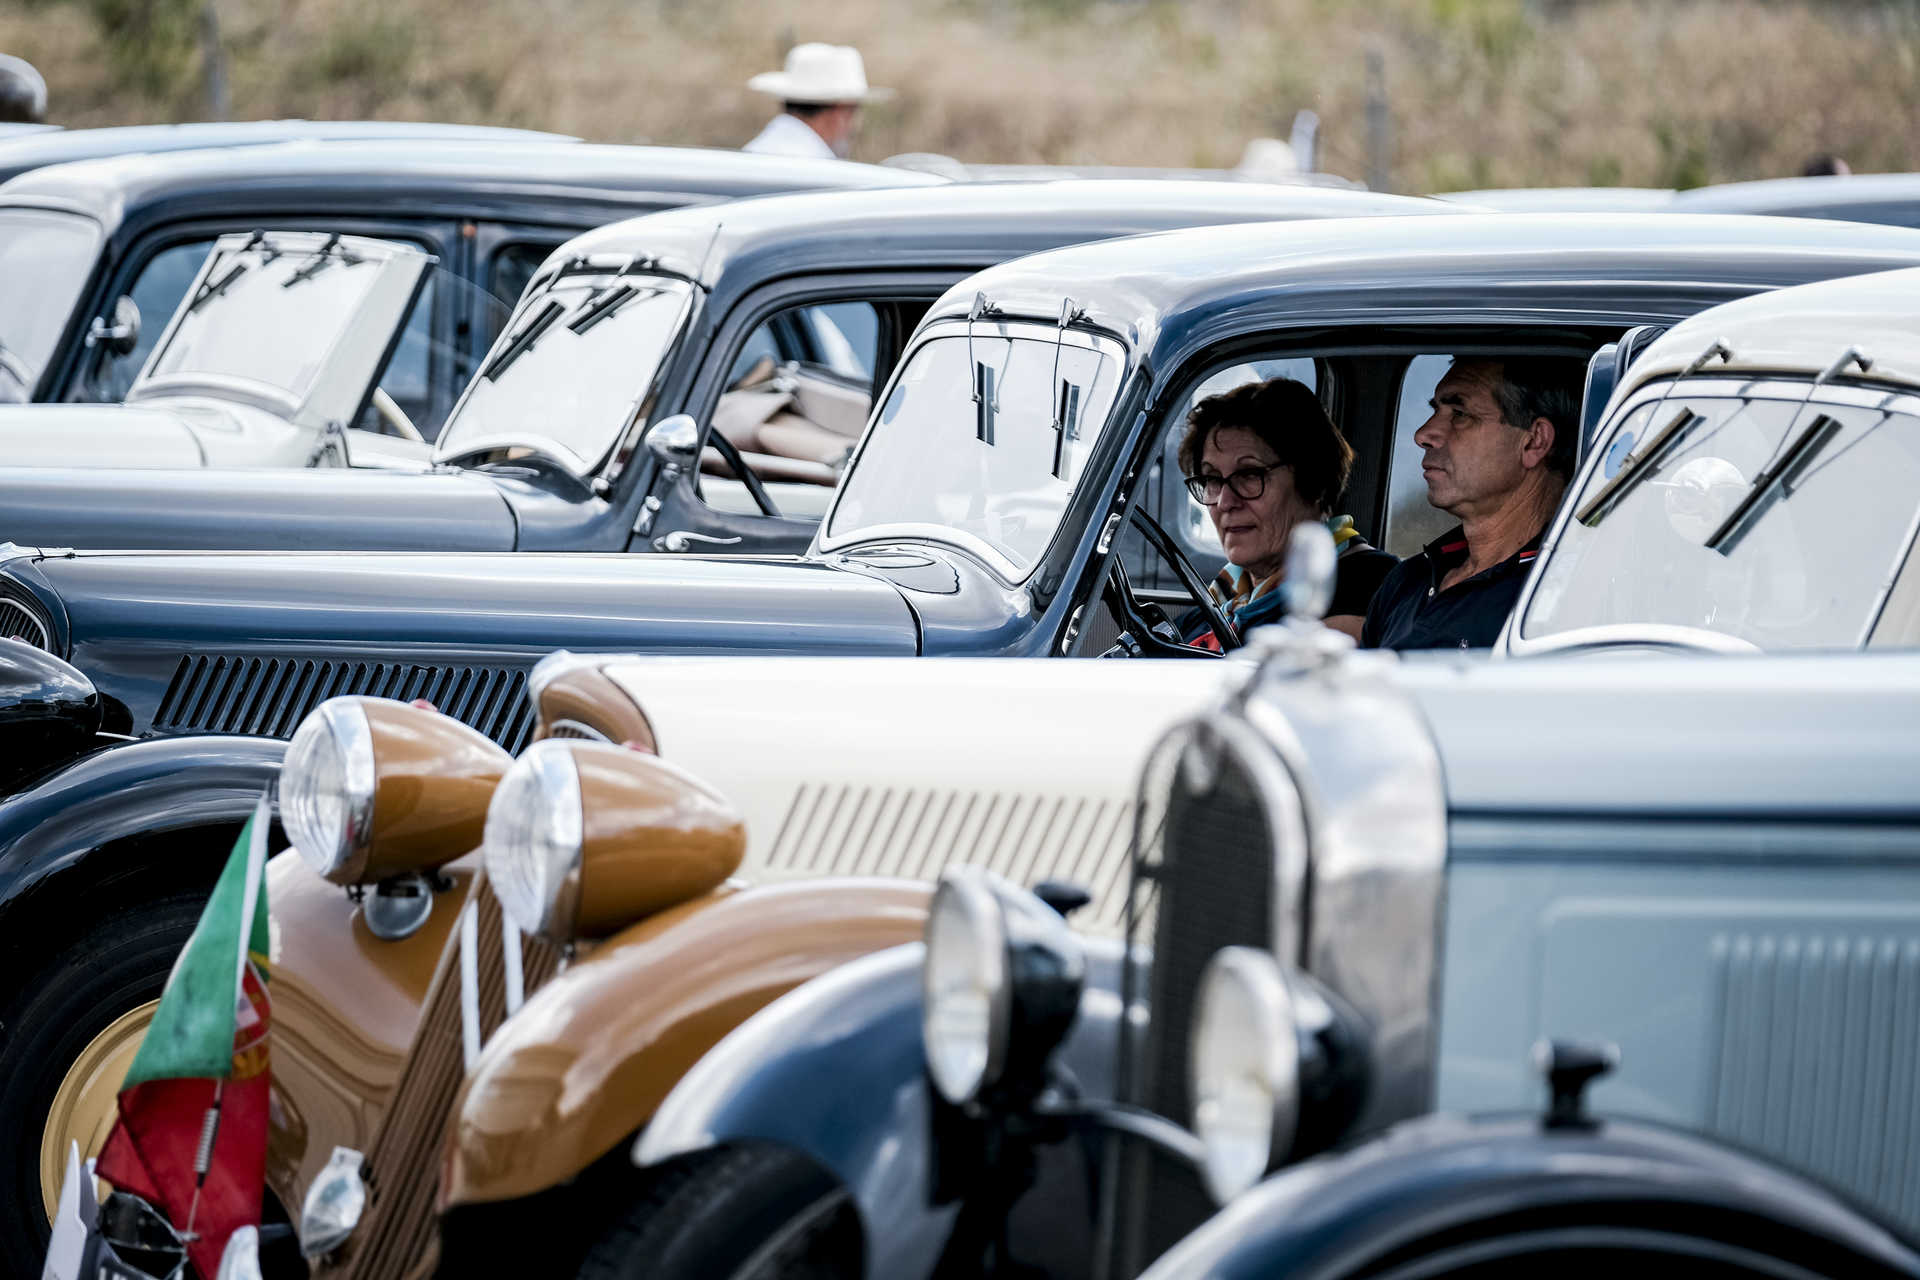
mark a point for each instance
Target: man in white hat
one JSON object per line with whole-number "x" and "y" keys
{"x": 821, "y": 91}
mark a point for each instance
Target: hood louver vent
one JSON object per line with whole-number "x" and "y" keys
{"x": 268, "y": 697}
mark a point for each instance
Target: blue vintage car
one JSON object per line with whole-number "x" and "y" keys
{"x": 994, "y": 523}
{"x": 76, "y": 239}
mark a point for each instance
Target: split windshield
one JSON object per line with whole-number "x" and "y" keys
{"x": 45, "y": 258}
{"x": 572, "y": 370}
{"x": 1764, "y": 520}
{"x": 994, "y": 470}
{"x": 270, "y": 313}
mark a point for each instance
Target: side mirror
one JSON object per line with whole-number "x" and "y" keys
{"x": 675, "y": 442}
{"x": 123, "y": 335}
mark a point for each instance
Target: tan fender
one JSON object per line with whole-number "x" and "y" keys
{"x": 345, "y": 1005}
{"x": 588, "y": 1059}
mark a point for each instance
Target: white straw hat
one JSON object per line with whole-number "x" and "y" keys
{"x": 819, "y": 74}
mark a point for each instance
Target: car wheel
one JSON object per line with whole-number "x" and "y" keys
{"x": 66, "y": 1040}
{"x": 743, "y": 1213}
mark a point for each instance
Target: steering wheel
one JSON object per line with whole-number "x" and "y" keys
{"x": 1223, "y": 629}
{"x": 731, "y": 456}
{"x": 395, "y": 417}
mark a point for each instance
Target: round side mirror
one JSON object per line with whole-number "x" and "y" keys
{"x": 675, "y": 441}
{"x": 123, "y": 335}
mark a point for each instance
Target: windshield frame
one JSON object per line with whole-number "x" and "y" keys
{"x": 1789, "y": 387}
{"x": 571, "y": 275}
{"x": 1005, "y": 328}
{"x": 77, "y": 306}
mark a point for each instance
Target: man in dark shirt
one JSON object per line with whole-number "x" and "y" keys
{"x": 1499, "y": 452}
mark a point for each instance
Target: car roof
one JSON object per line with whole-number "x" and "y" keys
{"x": 964, "y": 226}
{"x": 1562, "y": 199}
{"x": 298, "y": 176}
{"x": 1609, "y": 270}
{"x": 1892, "y": 198}
{"x": 1801, "y": 331}
{"x": 53, "y": 145}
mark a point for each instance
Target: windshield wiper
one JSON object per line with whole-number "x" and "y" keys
{"x": 214, "y": 288}
{"x": 1650, "y": 455}
{"x": 523, "y": 341}
{"x": 323, "y": 257}
{"x": 1778, "y": 479}
{"x": 601, "y": 306}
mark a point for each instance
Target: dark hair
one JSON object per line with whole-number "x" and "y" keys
{"x": 1288, "y": 418}
{"x": 1825, "y": 166}
{"x": 1549, "y": 387}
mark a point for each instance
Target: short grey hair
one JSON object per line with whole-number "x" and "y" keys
{"x": 1549, "y": 387}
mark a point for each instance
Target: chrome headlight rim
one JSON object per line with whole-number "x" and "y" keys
{"x": 964, "y": 897}
{"x": 1244, "y": 1065}
{"x": 538, "y": 888}
{"x": 341, "y": 722}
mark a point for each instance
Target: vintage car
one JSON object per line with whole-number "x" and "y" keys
{"x": 187, "y": 669}
{"x": 396, "y": 977}
{"x": 1752, "y": 488}
{"x": 1362, "y": 889}
{"x": 775, "y": 319}
{"x": 1889, "y": 198}
{"x": 76, "y": 239}
{"x": 276, "y": 345}
{"x": 35, "y": 147}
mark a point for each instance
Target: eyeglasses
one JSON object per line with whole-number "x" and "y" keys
{"x": 1248, "y": 483}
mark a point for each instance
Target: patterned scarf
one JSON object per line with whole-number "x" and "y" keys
{"x": 1234, "y": 589}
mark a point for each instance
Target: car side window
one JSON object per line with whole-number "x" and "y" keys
{"x": 1412, "y": 521}
{"x": 1164, "y": 493}
{"x": 407, "y": 377}
{"x": 797, "y": 396}
{"x": 513, "y": 266}
{"x": 157, "y": 291}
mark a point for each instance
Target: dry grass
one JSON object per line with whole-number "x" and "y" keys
{"x": 1481, "y": 92}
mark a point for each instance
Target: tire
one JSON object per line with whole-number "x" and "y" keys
{"x": 740, "y": 1213}
{"x": 118, "y": 963}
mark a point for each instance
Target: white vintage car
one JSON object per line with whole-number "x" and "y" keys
{"x": 271, "y": 360}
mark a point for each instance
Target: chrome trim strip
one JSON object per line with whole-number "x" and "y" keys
{"x": 510, "y": 960}
{"x": 470, "y": 984}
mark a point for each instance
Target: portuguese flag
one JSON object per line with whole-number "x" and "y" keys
{"x": 192, "y": 1134}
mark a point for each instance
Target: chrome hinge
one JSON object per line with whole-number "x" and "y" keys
{"x": 682, "y": 540}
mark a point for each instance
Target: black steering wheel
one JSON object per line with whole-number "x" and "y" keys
{"x": 1139, "y": 626}
{"x": 744, "y": 473}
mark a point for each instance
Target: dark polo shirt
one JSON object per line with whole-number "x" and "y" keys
{"x": 1410, "y": 611}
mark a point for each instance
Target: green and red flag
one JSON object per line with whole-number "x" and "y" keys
{"x": 191, "y": 1138}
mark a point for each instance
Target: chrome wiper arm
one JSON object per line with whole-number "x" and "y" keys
{"x": 214, "y": 288}
{"x": 323, "y": 257}
{"x": 1651, "y": 454}
{"x": 1801, "y": 450}
{"x": 1637, "y": 468}
{"x": 522, "y": 342}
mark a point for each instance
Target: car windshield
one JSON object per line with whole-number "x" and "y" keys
{"x": 1742, "y": 528}
{"x": 269, "y": 313}
{"x": 571, "y": 370}
{"x": 993, "y": 472}
{"x": 45, "y": 258}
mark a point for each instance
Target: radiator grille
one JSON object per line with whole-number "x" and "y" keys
{"x": 1202, "y": 879}
{"x": 403, "y": 1164}
{"x": 1816, "y": 1067}
{"x": 269, "y": 697}
{"x": 836, "y": 829}
{"x": 19, "y": 622}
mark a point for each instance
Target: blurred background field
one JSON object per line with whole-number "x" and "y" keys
{"x": 1476, "y": 92}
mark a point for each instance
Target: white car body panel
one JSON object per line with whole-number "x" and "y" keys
{"x": 813, "y": 751}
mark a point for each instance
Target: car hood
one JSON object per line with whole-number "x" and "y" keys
{"x": 231, "y": 641}
{"x": 319, "y": 509}
{"x": 80, "y": 435}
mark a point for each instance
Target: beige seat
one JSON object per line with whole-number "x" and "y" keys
{"x": 788, "y": 425}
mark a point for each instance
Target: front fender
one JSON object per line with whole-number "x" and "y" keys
{"x": 587, "y": 1060}
{"x": 1449, "y": 1181}
{"x": 96, "y": 821}
{"x": 835, "y": 1069}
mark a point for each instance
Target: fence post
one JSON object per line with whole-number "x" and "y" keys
{"x": 1379, "y": 169}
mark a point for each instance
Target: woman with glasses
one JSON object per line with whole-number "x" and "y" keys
{"x": 1262, "y": 458}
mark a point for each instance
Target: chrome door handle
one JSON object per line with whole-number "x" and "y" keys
{"x": 682, "y": 540}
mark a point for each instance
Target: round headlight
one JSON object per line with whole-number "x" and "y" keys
{"x": 1245, "y": 1055}
{"x": 326, "y": 784}
{"x": 966, "y": 1015}
{"x": 532, "y": 843}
